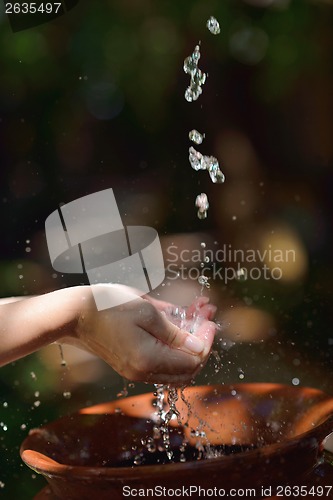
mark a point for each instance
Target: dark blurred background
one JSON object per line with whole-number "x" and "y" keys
{"x": 95, "y": 99}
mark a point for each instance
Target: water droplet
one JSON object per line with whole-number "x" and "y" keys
{"x": 203, "y": 244}
{"x": 5, "y": 404}
{"x": 23, "y": 427}
{"x": 36, "y": 394}
{"x": 138, "y": 460}
{"x": 202, "y": 203}
{"x": 2, "y": 485}
{"x": 67, "y": 394}
{"x": 213, "y": 25}
{"x": 196, "y": 158}
{"x": 62, "y": 362}
{"x": 241, "y": 274}
{"x": 28, "y": 249}
{"x": 206, "y": 259}
{"x": 210, "y": 163}
{"x": 202, "y": 215}
{"x": 36, "y": 404}
{"x": 295, "y": 381}
{"x": 198, "y": 78}
{"x": 196, "y": 137}
{"x": 33, "y": 375}
{"x": 190, "y": 65}
{"x": 203, "y": 281}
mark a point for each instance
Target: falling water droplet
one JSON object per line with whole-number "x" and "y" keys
{"x": 209, "y": 163}
{"x": 203, "y": 281}
{"x": 137, "y": 460}
{"x": 196, "y": 158}
{"x": 202, "y": 203}
{"x": 198, "y": 78}
{"x": 241, "y": 274}
{"x": 202, "y": 214}
{"x": 62, "y": 362}
{"x": 196, "y": 137}
{"x": 213, "y": 25}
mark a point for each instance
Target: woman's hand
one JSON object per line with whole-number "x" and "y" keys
{"x": 138, "y": 340}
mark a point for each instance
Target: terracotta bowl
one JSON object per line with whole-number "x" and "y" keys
{"x": 265, "y": 434}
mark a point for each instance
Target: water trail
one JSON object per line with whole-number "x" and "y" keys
{"x": 198, "y": 78}
{"x": 61, "y": 351}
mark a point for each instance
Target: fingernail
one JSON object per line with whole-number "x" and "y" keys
{"x": 194, "y": 344}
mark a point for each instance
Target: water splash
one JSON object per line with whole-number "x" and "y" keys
{"x": 161, "y": 429}
{"x": 213, "y": 25}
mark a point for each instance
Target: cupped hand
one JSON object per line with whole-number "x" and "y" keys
{"x": 139, "y": 341}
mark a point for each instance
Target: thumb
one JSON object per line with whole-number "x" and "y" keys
{"x": 174, "y": 337}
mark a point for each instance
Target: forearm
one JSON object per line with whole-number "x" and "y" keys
{"x": 27, "y": 325}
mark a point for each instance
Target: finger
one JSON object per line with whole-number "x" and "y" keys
{"x": 171, "y": 335}
{"x": 207, "y": 311}
{"x": 196, "y": 305}
{"x": 172, "y": 365}
{"x": 206, "y": 333}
